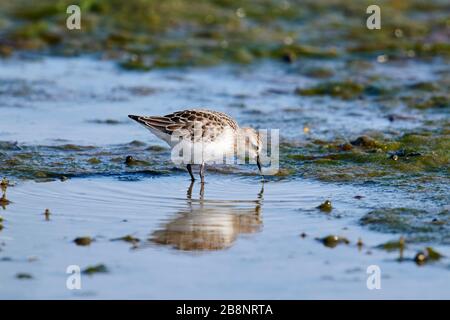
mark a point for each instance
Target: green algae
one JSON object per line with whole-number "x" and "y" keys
{"x": 131, "y": 161}
{"x": 363, "y": 141}
{"x": 176, "y": 33}
{"x": 72, "y": 147}
{"x": 417, "y": 224}
{"x": 437, "y": 101}
{"x": 346, "y": 89}
{"x": 318, "y": 72}
{"x": 422, "y": 257}
{"x": 393, "y": 245}
{"x": 399, "y": 220}
{"x": 60, "y": 162}
{"x": 127, "y": 238}
{"x": 94, "y": 160}
{"x": 136, "y": 63}
{"x": 136, "y": 143}
{"x": 293, "y": 52}
{"x": 416, "y": 154}
{"x": 424, "y": 86}
{"x": 156, "y": 148}
{"x": 433, "y": 254}
{"x": 99, "y": 268}
{"x": 416, "y": 161}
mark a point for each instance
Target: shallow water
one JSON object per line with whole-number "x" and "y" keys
{"x": 237, "y": 241}
{"x": 237, "y": 238}
{"x": 53, "y": 99}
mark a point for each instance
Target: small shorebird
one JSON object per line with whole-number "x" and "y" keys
{"x": 214, "y": 133}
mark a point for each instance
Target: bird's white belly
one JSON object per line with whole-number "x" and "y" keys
{"x": 206, "y": 151}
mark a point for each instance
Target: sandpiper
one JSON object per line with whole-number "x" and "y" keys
{"x": 214, "y": 133}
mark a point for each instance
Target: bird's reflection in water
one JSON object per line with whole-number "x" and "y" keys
{"x": 210, "y": 224}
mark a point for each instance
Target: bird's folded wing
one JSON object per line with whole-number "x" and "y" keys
{"x": 190, "y": 123}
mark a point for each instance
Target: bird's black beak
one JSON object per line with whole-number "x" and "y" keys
{"x": 258, "y": 162}
{"x": 136, "y": 118}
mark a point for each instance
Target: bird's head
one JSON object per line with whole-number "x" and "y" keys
{"x": 253, "y": 144}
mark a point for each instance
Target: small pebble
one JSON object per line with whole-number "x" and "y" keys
{"x": 360, "y": 243}
{"x": 326, "y": 206}
{"x": 83, "y": 241}
{"x": 420, "y": 258}
{"x": 24, "y": 276}
{"x": 129, "y": 160}
{"x": 332, "y": 241}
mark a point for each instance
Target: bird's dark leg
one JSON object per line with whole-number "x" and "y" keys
{"x": 189, "y": 190}
{"x": 202, "y": 191}
{"x": 189, "y": 168}
{"x": 258, "y": 162}
{"x": 202, "y": 172}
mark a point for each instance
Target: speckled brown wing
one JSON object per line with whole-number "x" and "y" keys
{"x": 191, "y": 124}
{"x": 209, "y": 117}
